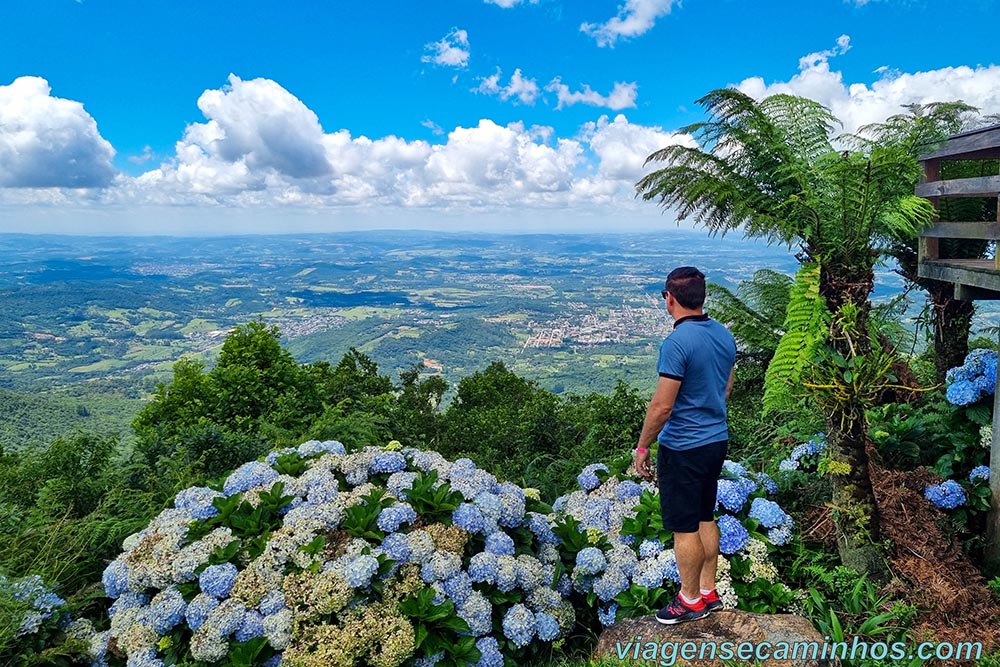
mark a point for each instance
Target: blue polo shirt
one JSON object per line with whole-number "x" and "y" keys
{"x": 699, "y": 353}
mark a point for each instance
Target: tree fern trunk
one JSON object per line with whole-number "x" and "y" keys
{"x": 855, "y": 511}
{"x": 952, "y": 321}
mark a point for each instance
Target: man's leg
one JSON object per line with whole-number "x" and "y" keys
{"x": 690, "y": 555}
{"x": 709, "y": 533}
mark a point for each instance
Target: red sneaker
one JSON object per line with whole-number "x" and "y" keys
{"x": 679, "y": 611}
{"x": 712, "y": 600}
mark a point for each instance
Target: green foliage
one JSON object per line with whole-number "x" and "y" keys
{"x": 805, "y": 328}
{"x": 436, "y": 626}
{"x": 435, "y": 503}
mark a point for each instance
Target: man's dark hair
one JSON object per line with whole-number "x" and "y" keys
{"x": 687, "y": 284}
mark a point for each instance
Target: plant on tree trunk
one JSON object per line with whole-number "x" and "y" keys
{"x": 770, "y": 169}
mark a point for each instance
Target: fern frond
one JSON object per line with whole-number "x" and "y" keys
{"x": 806, "y": 325}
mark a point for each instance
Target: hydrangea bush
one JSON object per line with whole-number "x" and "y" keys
{"x": 973, "y": 494}
{"x": 974, "y": 379}
{"x": 393, "y": 556}
{"x": 35, "y": 621}
{"x": 319, "y": 556}
{"x": 618, "y": 554}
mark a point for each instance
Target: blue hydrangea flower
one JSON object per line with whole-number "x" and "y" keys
{"x": 512, "y": 503}
{"x": 588, "y": 479}
{"x": 670, "y": 569}
{"x": 388, "y": 462}
{"x": 519, "y": 625}
{"x": 166, "y": 610}
{"x": 539, "y": 526}
{"x": 248, "y": 476}
{"x": 392, "y": 517}
{"x": 607, "y": 615}
{"x": 458, "y": 588}
{"x": 468, "y": 517}
{"x": 770, "y": 486}
{"x": 732, "y": 535}
{"x": 397, "y": 547}
{"x": 198, "y": 499}
{"x": 947, "y": 495}
{"x": 314, "y": 447}
{"x": 734, "y": 468}
{"x": 272, "y": 602}
{"x": 251, "y": 628}
{"x": 399, "y": 482}
{"x": 115, "y": 579}
{"x": 198, "y": 610}
{"x": 649, "y": 574}
{"x": 980, "y": 472}
{"x": 483, "y": 567}
{"x": 477, "y": 611}
{"x": 564, "y": 586}
{"x": 610, "y": 584}
{"x": 275, "y": 454}
{"x": 768, "y": 512}
{"x": 441, "y": 566}
{"x": 128, "y": 600}
{"x": 42, "y": 600}
{"x": 218, "y": 580}
{"x": 429, "y": 660}
{"x": 490, "y": 655}
{"x": 273, "y": 661}
{"x": 359, "y": 570}
{"x": 731, "y": 494}
{"x": 963, "y": 392}
{"x": 590, "y": 560}
{"x": 500, "y": 544}
{"x": 628, "y": 489}
{"x": 145, "y": 657}
{"x": 597, "y": 515}
{"x": 506, "y": 573}
{"x": 788, "y": 464}
{"x": 649, "y": 548}
{"x": 547, "y": 626}
{"x": 781, "y": 535}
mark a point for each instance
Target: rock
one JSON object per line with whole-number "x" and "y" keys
{"x": 761, "y": 636}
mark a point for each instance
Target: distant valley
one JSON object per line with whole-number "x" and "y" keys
{"x": 94, "y": 323}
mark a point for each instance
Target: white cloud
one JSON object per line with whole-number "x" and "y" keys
{"x": 519, "y": 88}
{"x": 432, "y": 126}
{"x": 240, "y": 158}
{"x": 452, "y": 50}
{"x": 857, "y": 104}
{"x": 622, "y": 95}
{"x": 622, "y": 147}
{"x": 634, "y": 18}
{"x": 146, "y": 155}
{"x": 815, "y": 59}
{"x": 493, "y": 164}
{"x": 49, "y": 142}
{"x": 507, "y": 4}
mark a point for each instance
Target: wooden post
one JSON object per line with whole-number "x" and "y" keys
{"x": 993, "y": 519}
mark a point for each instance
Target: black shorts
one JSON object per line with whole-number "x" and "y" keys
{"x": 689, "y": 482}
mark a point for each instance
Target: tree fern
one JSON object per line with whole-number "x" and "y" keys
{"x": 806, "y": 324}
{"x": 755, "y": 313}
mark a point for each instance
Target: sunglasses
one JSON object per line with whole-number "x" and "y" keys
{"x": 664, "y": 293}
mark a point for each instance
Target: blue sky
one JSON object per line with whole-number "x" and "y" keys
{"x": 242, "y": 116}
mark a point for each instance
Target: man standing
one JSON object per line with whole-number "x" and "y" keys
{"x": 687, "y": 416}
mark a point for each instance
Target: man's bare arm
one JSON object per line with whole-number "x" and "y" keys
{"x": 657, "y": 414}
{"x": 729, "y": 385}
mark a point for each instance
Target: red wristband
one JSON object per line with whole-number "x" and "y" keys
{"x": 641, "y": 450}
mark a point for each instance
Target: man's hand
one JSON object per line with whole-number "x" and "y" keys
{"x": 641, "y": 462}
